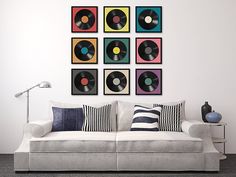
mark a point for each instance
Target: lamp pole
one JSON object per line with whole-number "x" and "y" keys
{"x": 27, "y": 118}
{"x": 44, "y": 84}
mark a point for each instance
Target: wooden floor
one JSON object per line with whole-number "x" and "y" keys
{"x": 228, "y": 169}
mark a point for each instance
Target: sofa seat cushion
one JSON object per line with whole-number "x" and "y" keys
{"x": 75, "y": 141}
{"x": 160, "y": 141}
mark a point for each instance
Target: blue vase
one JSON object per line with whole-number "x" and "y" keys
{"x": 213, "y": 117}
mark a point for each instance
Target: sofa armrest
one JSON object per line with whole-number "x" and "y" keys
{"x": 37, "y": 128}
{"x": 198, "y": 129}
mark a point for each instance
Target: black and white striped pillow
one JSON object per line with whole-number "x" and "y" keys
{"x": 171, "y": 116}
{"x": 145, "y": 119}
{"x": 97, "y": 119}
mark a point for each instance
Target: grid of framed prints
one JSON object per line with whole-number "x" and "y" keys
{"x": 116, "y": 50}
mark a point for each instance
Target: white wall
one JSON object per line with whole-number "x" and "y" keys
{"x": 199, "y": 59}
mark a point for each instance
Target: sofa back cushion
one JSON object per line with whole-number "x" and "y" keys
{"x": 145, "y": 119}
{"x": 69, "y": 105}
{"x": 67, "y": 119}
{"x": 171, "y": 116}
{"x": 125, "y": 112}
{"x": 97, "y": 119}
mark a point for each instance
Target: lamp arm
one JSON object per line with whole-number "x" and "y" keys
{"x": 32, "y": 88}
{"x": 18, "y": 94}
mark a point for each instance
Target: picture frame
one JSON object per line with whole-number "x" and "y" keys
{"x": 84, "y": 17}
{"x": 148, "y": 81}
{"x": 148, "y": 50}
{"x": 116, "y": 81}
{"x": 84, "y": 81}
{"x": 148, "y": 19}
{"x": 116, "y": 50}
{"x": 114, "y": 20}
{"x": 84, "y": 50}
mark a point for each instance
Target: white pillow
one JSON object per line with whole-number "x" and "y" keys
{"x": 146, "y": 119}
{"x": 69, "y": 105}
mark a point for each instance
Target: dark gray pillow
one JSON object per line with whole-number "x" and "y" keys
{"x": 67, "y": 119}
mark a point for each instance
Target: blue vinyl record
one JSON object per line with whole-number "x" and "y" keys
{"x": 149, "y": 19}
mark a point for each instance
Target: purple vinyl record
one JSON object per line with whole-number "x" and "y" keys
{"x": 148, "y": 81}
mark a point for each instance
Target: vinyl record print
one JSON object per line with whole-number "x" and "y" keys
{"x": 148, "y": 82}
{"x": 149, "y": 50}
{"x": 116, "y": 19}
{"x": 116, "y": 81}
{"x": 149, "y": 19}
{"x": 116, "y": 50}
{"x": 84, "y": 19}
{"x": 84, "y": 50}
{"x": 84, "y": 82}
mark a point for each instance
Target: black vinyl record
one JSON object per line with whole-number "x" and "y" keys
{"x": 148, "y": 81}
{"x": 84, "y": 50}
{"x": 84, "y": 81}
{"x": 148, "y": 19}
{"x": 120, "y": 54}
{"x": 116, "y": 19}
{"x": 90, "y": 19}
{"x": 148, "y": 50}
{"x": 116, "y": 81}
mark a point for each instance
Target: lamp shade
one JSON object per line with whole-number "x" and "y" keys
{"x": 45, "y": 84}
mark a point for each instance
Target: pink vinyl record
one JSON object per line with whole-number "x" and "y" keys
{"x": 148, "y": 50}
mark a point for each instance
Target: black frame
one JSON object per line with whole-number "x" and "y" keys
{"x": 84, "y": 7}
{"x": 136, "y": 78}
{"x": 96, "y": 50}
{"x": 136, "y": 48}
{"x": 136, "y": 15}
{"x": 104, "y": 50}
{"x": 115, "y": 69}
{"x": 88, "y": 69}
{"x": 104, "y": 19}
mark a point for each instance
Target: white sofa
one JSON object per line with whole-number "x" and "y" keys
{"x": 119, "y": 150}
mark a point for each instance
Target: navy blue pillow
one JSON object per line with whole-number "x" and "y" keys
{"x": 67, "y": 119}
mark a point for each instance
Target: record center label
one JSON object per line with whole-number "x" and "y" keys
{"x": 84, "y": 50}
{"x": 148, "y": 81}
{"x": 84, "y": 81}
{"x": 148, "y": 50}
{"x": 116, "y": 19}
{"x": 85, "y": 19}
{"x": 148, "y": 19}
{"x": 116, "y": 50}
{"x": 116, "y": 81}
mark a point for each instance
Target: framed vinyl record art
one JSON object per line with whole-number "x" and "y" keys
{"x": 84, "y": 50}
{"x": 116, "y": 51}
{"x": 116, "y": 19}
{"x": 116, "y": 82}
{"x": 148, "y": 19}
{"x": 84, "y": 19}
{"x": 148, "y": 81}
{"x": 84, "y": 81}
{"x": 148, "y": 50}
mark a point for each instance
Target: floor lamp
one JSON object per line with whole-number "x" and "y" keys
{"x": 44, "y": 84}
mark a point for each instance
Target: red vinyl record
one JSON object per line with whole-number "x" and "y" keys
{"x": 84, "y": 19}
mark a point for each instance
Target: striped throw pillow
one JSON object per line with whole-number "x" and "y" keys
{"x": 97, "y": 119}
{"x": 171, "y": 116}
{"x": 145, "y": 119}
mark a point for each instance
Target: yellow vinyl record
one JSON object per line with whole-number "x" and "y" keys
{"x": 117, "y": 19}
